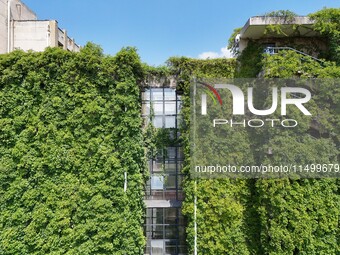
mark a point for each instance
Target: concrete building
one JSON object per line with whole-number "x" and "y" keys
{"x": 275, "y": 32}
{"x": 164, "y": 223}
{"x": 21, "y": 29}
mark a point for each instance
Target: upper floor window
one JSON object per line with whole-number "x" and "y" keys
{"x": 163, "y": 105}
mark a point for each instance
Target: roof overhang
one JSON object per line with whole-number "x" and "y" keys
{"x": 255, "y": 28}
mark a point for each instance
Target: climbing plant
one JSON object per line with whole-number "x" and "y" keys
{"x": 70, "y": 129}
{"x": 281, "y": 16}
{"x": 268, "y": 216}
{"x": 327, "y": 23}
{"x": 221, "y": 203}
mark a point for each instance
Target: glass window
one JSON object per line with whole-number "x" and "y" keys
{"x": 163, "y": 224}
{"x": 181, "y": 222}
{"x": 181, "y": 231}
{"x": 157, "y": 232}
{"x": 171, "y": 232}
{"x": 157, "y": 182}
{"x": 180, "y": 166}
{"x": 171, "y": 152}
{"x": 179, "y": 181}
{"x": 157, "y": 247}
{"x": 157, "y": 94}
{"x": 158, "y": 108}
{"x": 170, "y": 182}
{"x": 171, "y": 249}
{"x": 146, "y": 120}
{"x": 169, "y": 94}
{"x": 157, "y": 167}
{"x": 158, "y": 121}
{"x": 170, "y": 167}
{"x": 158, "y": 214}
{"x": 170, "y": 107}
{"x": 170, "y": 122}
{"x": 170, "y": 216}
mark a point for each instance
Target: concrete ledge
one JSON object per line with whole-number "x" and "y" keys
{"x": 255, "y": 26}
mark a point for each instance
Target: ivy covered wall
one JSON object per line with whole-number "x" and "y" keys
{"x": 70, "y": 128}
{"x": 261, "y": 216}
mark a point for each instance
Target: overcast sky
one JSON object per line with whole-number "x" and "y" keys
{"x": 162, "y": 28}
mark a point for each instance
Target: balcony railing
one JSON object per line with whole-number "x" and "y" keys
{"x": 275, "y": 50}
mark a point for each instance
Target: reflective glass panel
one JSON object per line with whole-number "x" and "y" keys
{"x": 157, "y": 182}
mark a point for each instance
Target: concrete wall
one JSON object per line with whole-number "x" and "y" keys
{"x": 19, "y": 11}
{"x": 3, "y": 26}
{"x": 40, "y": 34}
{"x": 28, "y": 33}
{"x": 31, "y": 35}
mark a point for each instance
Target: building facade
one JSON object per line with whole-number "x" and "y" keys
{"x": 296, "y": 32}
{"x": 21, "y": 29}
{"x": 164, "y": 223}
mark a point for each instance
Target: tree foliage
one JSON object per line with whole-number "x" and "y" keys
{"x": 221, "y": 202}
{"x": 327, "y": 23}
{"x": 270, "y": 216}
{"x": 70, "y": 128}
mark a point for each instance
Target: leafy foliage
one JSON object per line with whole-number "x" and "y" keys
{"x": 221, "y": 202}
{"x": 250, "y": 61}
{"x": 327, "y": 23}
{"x": 70, "y": 128}
{"x": 269, "y": 216}
{"x": 286, "y": 14}
{"x": 231, "y": 41}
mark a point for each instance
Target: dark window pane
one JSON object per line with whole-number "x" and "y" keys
{"x": 170, "y": 182}
{"x": 169, "y": 167}
{"x": 171, "y": 232}
{"x": 171, "y": 152}
{"x": 157, "y": 232}
{"x": 181, "y": 231}
{"x": 171, "y": 250}
{"x": 170, "y": 216}
{"x": 179, "y": 181}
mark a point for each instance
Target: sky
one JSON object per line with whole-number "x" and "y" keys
{"x": 160, "y": 29}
